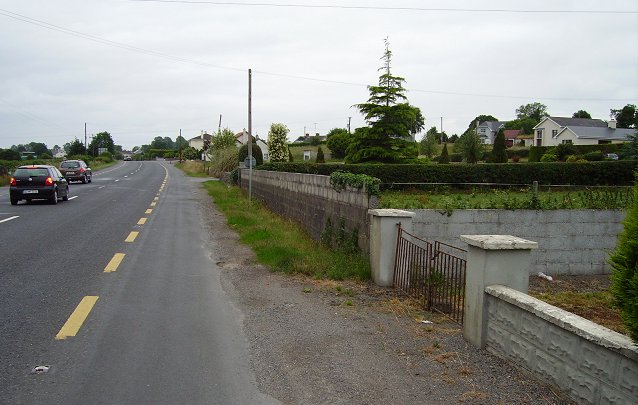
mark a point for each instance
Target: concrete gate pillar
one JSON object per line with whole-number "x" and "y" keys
{"x": 383, "y": 242}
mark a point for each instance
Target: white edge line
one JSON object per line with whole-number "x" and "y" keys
{"x": 9, "y": 219}
{"x": 73, "y": 198}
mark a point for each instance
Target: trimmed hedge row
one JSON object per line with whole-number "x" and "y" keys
{"x": 609, "y": 173}
{"x": 536, "y": 152}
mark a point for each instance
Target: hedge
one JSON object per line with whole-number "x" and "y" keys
{"x": 608, "y": 173}
{"x": 536, "y": 152}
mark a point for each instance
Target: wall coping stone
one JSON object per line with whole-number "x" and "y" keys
{"x": 580, "y": 326}
{"x": 390, "y": 212}
{"x": 499, "y": 242}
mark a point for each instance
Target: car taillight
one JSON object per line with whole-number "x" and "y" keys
{"x": 12, "y": 182}
{"x": 82, "y": 170}
{"x": 48, "y": 181}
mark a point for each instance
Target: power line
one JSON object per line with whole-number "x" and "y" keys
{"x": 131, "y": 48}
{"x": 388, "y": 8}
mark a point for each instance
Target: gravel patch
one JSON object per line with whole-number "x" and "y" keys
{"x": 323, "y": 342}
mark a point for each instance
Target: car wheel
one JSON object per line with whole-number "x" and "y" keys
{"x": 14, "y": 201}
{"x": 54, "y": 197}
{"x": 66, "y": 196}
{"x": 84, "y": 179}
{"x": 90, "y": 178}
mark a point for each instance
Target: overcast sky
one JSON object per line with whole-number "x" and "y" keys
{"x": 141, "y": 69}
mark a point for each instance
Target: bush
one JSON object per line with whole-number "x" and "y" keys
{"x": 320, "y": 158}
{"x": 595, "y": 156}
{"x": 256, "y": 151}
{"x": 549, "y": 157}
{"x": 456, "y": 157}
{"x": 225, "y": 160}
{"x": 624, "y": 261}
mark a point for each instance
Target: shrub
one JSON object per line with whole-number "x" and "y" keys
{"x": 224, "y": 160}
{"x": 456, "y": 157}
{"x": 624, "y": 261}
{"x": 549, "y": 157}
{"x": 594, "y": 156}
{"x": 445, "y": 156}
{"x": 256, "y": 152}
{"x": 320, "y": 158}
{"x": 516, "y": 158}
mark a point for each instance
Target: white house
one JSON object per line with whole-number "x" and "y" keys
{"x": 487, "y": 130}
{"x": 552, "y": 131}
{"x": 241, "y": 138}
{"x": 198, "y": 141}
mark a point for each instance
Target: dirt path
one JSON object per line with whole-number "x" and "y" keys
{"x": 318, "y": 342}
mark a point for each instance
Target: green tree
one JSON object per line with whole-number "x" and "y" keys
{"x": 445, "y": 156}
{"x": 624, "y": 263}
{"x": 255, "y": 151}
{"x": 536, "y": 111}
{"x": 626, "y": 117}
{"x": 392, "y": 121}
{"x": 160, "y": 143}
{"x": 101, "y": 140}
{"x": 581, "y": 114}
{"x": 526, "y": 124}
{"x": 499, "y": 150}
{"x": 278, "y": 142}
{"x": 428, "y": 143}
{"x": 180, "y": 143}
{"x": 223, "y": 139}
{"x": 630, "y": 148}
{"x": 320, "y": 158}
{"x": 39, "y": 148}
{"x": 76, "y": 148}
{"x": 470, "y": 146}
{"x": 9, "y": 154}
{"x": 338, "y": 141}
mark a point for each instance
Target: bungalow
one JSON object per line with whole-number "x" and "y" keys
{"x": 512, "y": 136}
{"x": 552, "y": 131}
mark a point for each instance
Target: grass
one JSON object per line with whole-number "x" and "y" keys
{"x": 192, "y": 168}
{"x": 281, "y": 244}
{"x": 446, "y": 199}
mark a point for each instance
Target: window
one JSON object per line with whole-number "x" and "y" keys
{"x": 554, "y": 133}
{"x": 539, "y": 134}
{"x": 567, "y": 142}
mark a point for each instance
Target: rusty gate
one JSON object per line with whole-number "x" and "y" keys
{"x": 433, "y": 273}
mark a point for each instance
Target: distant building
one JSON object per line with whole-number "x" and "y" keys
{"x": 552, "y": 131}
{"x": 487, "y": 130}
{"x": 198, "y": 141}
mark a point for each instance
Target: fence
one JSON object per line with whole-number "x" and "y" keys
{"x": 425, "y": 271}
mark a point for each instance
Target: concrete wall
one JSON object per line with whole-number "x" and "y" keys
{"x": 310, "y": 200}
{"x": 590, "y": 363}
{"x": 569, "y": 241}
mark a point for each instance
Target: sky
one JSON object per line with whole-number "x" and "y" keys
{"x": 142, "y": 69}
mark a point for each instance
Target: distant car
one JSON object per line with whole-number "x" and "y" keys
{"x": 611, "y": 156}
{"x": 76, "y": 170}
{"x": 127, "y": 158}
{"x": 38, "y": 182}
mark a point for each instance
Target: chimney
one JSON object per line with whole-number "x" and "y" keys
{"x": 611, "y": 123}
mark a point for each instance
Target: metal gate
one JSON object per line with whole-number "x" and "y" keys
{"x": 431, "y": 273}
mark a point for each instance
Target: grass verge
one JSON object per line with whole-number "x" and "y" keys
{"x": 192, "y": 168}
{"x": 281, "y": 244}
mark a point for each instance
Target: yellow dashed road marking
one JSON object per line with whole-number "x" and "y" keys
{"x": 153, "y": 204}
{"x": 77, "y": 318}
{"x": 131, "y": 236}
{"x": 148, "y": 211}
{"x": 142, "y": 221}
{"x": 114, "y": 263}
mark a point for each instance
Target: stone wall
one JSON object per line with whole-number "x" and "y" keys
{"x": 569, "y": 241}
{"x": 310, "y": 200}
{"x": 590, "y": 363}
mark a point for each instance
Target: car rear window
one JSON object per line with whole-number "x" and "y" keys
{"x": 25, "y": 172}
{"x": 69, "y": 165}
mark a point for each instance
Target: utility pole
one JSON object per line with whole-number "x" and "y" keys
{"x": 179, "y": 146}
{"x": 250, "y": 131}
{"x": 349, "y": 119}
{"x": 85, "y": 136}
{"x": 219, "y": 128}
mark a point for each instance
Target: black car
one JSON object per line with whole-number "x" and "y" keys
{"x": 38, "y": 182}
{"x": 76, "y": 170}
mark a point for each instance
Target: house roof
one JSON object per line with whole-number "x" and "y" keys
{"x": 575, "y": 122}
{"x": 199, "y": 137}
{"x": 512, "y": 133}
{"x": 492, "y": 125}
{"x": 619, "y": 134}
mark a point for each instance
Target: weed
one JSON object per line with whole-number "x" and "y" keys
{"x": 307, "y": 290}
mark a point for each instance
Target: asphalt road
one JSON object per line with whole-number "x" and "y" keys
{"x": 117, "y": 291}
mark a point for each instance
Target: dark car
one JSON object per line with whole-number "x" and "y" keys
{"x": 76, "y": 170}
{"x": 38, "y": 182}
